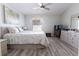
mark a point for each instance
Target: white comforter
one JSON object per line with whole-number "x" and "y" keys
{"x": 27, "y": 37}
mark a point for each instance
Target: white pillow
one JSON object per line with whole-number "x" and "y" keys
{"x": 37, "y": 28}
{"x": 20, "y": 29}
{"x": 13, "y": 30}
{"x": 24, "y": 28}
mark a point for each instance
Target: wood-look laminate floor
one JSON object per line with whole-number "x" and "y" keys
{"x": 56, "y": 48}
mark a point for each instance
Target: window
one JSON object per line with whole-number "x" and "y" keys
{"x": 11, "y": 17}
{"x": 1, "y": 21}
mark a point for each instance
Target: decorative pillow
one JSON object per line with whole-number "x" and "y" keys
{"x": 13, "y": 29}
{"x": 24, "y": 28}
{"x": 37, "y": 28}
{"x": 20, "y": 29}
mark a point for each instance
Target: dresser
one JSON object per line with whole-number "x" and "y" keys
{"x": 3, "y": 47}
{"x": 70, "y": 37}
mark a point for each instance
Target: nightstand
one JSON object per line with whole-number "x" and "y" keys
{"x": 3, "y": 47}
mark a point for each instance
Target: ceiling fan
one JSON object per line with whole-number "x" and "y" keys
{"x": 43, "y": 6}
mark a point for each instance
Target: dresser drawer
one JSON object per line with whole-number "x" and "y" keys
{"x": 75, "y": 42}
{"x": 75, "y": 45}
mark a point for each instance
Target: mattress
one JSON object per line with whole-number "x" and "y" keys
{"x": 27, "y": 37}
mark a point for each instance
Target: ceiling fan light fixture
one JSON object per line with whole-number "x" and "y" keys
{"x": 42, "y": 6}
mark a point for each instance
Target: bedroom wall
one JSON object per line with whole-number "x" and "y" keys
{"x": 48, "y": 22}
{"x": 66, "y": 16}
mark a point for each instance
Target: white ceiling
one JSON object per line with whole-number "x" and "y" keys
{"x": 27, "y": 8}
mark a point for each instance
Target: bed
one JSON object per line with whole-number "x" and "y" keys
{"x": 27, "y": 37}
{"x": 23, "y": 37}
